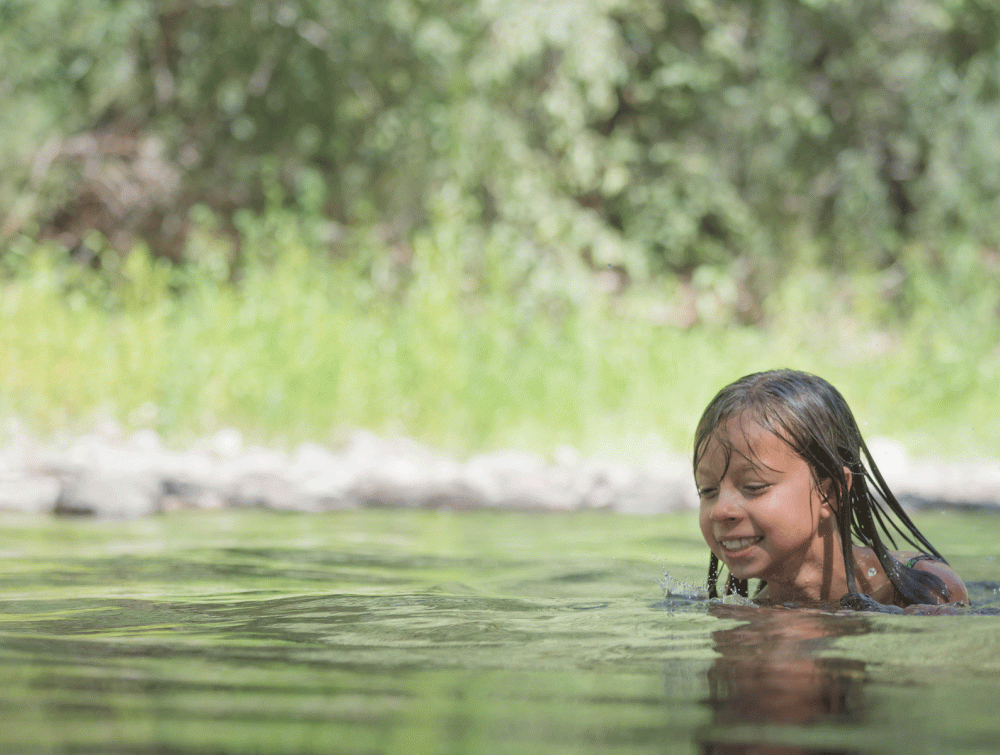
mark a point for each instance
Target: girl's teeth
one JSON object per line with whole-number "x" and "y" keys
{"x": 738, "y": 545}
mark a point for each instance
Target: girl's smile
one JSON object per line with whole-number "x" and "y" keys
{"x": 735, "y": 546}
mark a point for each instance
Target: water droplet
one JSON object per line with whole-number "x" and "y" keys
{"x": 872, "y": 572}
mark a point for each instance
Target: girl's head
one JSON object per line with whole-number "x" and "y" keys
{"x": 805, "y": 411}
{"x": 813, "y": 419}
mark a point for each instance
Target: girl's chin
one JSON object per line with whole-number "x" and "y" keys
{"x": 740, "y": 574}
{"x": 740, "y": 570}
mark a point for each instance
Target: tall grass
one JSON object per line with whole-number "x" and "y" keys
{"x": 303, "y": 345}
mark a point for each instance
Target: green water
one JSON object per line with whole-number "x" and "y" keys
{"x": 433, "y": 632}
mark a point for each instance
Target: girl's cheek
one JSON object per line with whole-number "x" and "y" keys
{"x": 705, "y": 525}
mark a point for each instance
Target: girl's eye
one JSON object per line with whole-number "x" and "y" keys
{"x": 755, "y": 488}
{"x": 706, "y": 492}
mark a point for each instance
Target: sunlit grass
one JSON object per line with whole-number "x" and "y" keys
{"x": 302, "y": 347}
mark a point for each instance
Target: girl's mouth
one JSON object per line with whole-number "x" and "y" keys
{"x": 736, "y": 544}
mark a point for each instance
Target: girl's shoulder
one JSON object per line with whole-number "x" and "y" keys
{"x": 873, "y": 581}
{"x": 954, "y": 588}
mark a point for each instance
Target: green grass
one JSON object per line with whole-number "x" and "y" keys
{"x": 305, "y": 347}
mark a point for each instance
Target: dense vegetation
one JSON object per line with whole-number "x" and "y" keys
{"x": 484, "y": 222}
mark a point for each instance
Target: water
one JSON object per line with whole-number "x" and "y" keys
{"x": 434, "y": 632}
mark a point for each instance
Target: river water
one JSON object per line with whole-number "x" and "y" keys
{"x": 448, "y": 632}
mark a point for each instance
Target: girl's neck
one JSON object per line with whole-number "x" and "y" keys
{"x": 821, "y": 577}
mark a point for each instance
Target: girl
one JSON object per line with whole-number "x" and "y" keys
{"x": 784, "y": 496}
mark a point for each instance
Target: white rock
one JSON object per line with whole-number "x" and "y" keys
{"x": 30, "y": 494}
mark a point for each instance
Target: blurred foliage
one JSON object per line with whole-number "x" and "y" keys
{"x": 728, "y": 144}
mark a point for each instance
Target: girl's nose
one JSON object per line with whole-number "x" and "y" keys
{"x": 726, "y": 507}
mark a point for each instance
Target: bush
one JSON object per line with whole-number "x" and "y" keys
{"x": 654, "y": 137}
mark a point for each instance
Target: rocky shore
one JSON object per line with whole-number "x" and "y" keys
{"x": 109, "y": 474}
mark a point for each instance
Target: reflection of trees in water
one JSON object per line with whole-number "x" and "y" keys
{"x": 767, "y": 672}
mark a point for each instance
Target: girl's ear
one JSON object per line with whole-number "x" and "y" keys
{"x": 848, "y": 478}
{"x": 828, "y": 502}
{"x": 828, "y": 485}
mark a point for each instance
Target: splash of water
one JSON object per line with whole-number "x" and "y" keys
{"x": 673, "y": 588}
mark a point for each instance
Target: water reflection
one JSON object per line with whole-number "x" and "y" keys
{"x": 768, "y": 690}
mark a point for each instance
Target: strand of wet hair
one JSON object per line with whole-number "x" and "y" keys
{"x": 847, "y": 548}
{"x": 867, "y": 527}
{"x": 713, "y": 576}
{"x": 886, "y": 510}
{"x": 916, "y": 585}
{"x": 733, "y": 585}
{"x": 886, "y": 494}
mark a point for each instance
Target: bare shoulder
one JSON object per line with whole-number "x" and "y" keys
{"x": 954, "y": 588}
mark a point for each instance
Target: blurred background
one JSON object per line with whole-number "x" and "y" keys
{"x": 497, "y": 223}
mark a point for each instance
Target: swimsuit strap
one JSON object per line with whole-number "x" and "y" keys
{"x": 920, "y": 557}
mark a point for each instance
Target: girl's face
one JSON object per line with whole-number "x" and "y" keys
{"x": 762, "y": 514}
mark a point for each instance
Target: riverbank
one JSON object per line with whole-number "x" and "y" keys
{"x": 110, "y": 474}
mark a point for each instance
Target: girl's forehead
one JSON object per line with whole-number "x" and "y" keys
{"x": 742, "y": 437}
{"x": 744, "y": 432}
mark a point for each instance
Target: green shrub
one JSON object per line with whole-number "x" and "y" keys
{"x": 659, "y": 137}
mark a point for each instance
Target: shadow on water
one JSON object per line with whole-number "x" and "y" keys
{"x": 809, "y": 682}
{"x": 769, "y": 673}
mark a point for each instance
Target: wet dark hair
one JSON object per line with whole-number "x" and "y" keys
{"x": 812, "y": 417}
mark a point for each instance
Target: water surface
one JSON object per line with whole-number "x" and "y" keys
{"x": 477, "y": 632}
